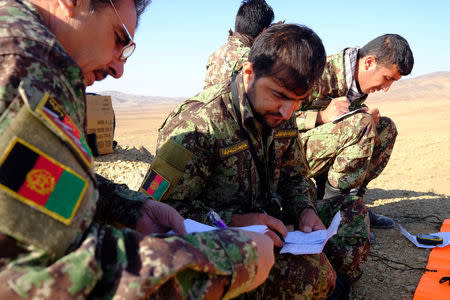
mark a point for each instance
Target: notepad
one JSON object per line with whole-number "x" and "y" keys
{"x": 347, "y": 114}
{"x": 298, "y": 242}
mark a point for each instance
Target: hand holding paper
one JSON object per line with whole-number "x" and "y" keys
{"x": 298, "y": 242}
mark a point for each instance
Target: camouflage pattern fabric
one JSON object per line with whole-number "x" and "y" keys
{"x": 125, "y": 265}
{"x": 354, "y": 150}
{"x": 228, "y": 59}
{"x": 296, "y": 277}
{"x": 353, "y": 138}
{"x": 103, "y": 262}
{"x": 348, "y": 250}
{"x": 222, "y": 176}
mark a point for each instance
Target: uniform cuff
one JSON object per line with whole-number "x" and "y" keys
{"x": 311, "y": 119}
{"x": 244, "y": 268}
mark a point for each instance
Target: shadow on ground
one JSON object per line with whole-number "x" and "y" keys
{"x": 395, "y": 265}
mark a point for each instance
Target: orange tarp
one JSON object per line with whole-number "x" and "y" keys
{"x": 429, "y": 287}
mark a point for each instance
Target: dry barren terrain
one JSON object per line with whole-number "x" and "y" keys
{"x": 414, "y": 189}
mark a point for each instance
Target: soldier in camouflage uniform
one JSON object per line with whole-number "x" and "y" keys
{"x": 347, "y": 154}
{"x": 49, "y": 246}
{"x": 252, "y": 18}
{"x": 234, "y": 148}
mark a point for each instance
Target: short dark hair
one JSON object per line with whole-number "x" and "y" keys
{"x": 292, "y": 54}
{"x": 252, "y": 17}
{"x": 140, "y": 5}
{"x": 390, "y": 49}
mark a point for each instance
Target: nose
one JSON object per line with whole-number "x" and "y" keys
{"x": 115, "y": 68}
{"x": 386, "y": 87}
{"x": 287, "y": 108}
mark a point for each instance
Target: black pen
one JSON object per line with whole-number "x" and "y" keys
{"x": 280, "y": 236}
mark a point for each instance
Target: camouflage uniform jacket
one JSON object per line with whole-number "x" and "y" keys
{"x": 221, "y": 173}
{"x": 228, "y": 59}
{"x": 331, "y": 84}
{"x": 102, "y": 261}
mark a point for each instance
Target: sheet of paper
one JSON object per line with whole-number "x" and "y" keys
{"x": 194, "y": 226}
{"x": 444, "y": 235}
{"x": 347, "y": 114}
{"x": 298, "y": 242}
{"x": 297, "y": 237}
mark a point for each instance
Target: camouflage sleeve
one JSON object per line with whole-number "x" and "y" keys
{"x": 121, "y": 263}
{"x": 192, "y": 179}
{"x": 296, "y": 189}
{"x": 184, "y": 156}
{"x": 117, "y": 204}
{"x": 9, "y": 81}
{"x": 318, "y": 99}
{"x": 306, "y": 119}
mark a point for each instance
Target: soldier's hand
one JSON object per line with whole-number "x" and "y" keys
{"x": 158, "y": 217}
{"x": 309, "y": 221}
{"x": 276, "y": 227}
{"x": 265, "y": 257}
{"x": 375, "y": 113}
{"x": 336, "y": 108}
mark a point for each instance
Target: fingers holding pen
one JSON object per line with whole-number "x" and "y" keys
{"x": 341, "y": 104}
{"x": 277, "y": 230}
{"x": 336, "y": 107}
{"x": 277, "y": 238}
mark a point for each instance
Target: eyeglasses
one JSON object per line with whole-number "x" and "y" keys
{"x": 127, "y": 50}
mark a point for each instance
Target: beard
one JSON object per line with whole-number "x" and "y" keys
{"x": 264, "y": 116}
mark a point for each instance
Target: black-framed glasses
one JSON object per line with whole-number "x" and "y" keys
{"x": 127, "y": 50}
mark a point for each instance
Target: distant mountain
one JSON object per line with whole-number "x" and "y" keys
{"x": 430, "y": 86}
{"x": 120, "y": 99}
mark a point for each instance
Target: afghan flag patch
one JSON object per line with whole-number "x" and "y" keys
{"x": 40, "y": 181}
{"x": 155, "y": 185}
{"x": 52, "y": 111}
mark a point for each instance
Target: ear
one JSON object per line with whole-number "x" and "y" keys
{"x": 68, "y": 6}
{"x": 370, "y": 62}
{"x": 247, "y": 74}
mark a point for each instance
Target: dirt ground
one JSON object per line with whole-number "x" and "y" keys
{"x": 414, "y": 189}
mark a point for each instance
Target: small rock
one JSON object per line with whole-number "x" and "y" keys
{"x": 410, "y": 288}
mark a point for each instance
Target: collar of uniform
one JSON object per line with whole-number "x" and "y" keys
{"x": 33, "y": 9}
{"x": 245, "y": 106}
{"x": 51, "y": 48}
{"x": 243, "y": 38}
{"x": 42, "y": 46}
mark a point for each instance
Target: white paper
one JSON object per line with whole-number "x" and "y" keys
{"x": 444, "y": 235}
{"x": 194, "y": 226}
{"x": 347, "y": 114}
{"x": 298, "y": 242}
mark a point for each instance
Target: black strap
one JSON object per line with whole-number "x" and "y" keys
{"x": 444, "y": 279}
{"x": 262, "y": 172}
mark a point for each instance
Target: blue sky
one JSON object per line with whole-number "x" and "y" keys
{"x": 175, "y": 37}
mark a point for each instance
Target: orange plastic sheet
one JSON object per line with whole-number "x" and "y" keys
{"x": 429, "y": 287}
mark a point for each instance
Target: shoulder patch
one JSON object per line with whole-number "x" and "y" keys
{"x": 233, "y": 149}
{"x": 286, "y": 133}
{"x": 155, "y": 185}
{"x": 53, "y": 112}
{"x": 40, "y": 181}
